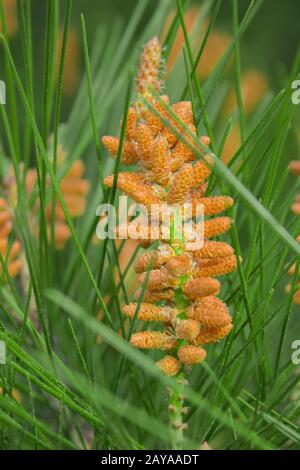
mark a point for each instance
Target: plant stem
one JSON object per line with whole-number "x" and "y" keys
{"x": 176, "y": 410}
{"x": 176, "y": 397}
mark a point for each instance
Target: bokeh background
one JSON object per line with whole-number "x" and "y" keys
{"x": 270, "y": 42}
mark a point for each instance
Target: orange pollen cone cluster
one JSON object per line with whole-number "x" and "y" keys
{"x": 11, "y": 18}
{"x": 74, "y": 189}
{"x": 10, "y": 250}
{"x": 178, "y": 284}
{"x": 295, "y": 208}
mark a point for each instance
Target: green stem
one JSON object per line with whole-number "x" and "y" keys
{"x": 176, "y": 410}
{"x": 176, "y": 407}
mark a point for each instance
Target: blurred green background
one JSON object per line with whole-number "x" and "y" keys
{"x": 270, "y": 42}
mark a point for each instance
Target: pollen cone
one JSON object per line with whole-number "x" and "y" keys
{"x": 177, "y": 285}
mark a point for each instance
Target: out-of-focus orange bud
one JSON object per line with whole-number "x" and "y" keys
{"x": 295, "y": 167}
{"x": 10, "y": 250}
{"x": 216, "y": 45}
{"x": 296, "y": 296}
{"x": 127, "y": 252}
{"x": 62, "y": 234}
{"x": 100, "y": 317}
{"x": 11, "y": 18}
{"x": 190, "y": 18}
{"x": 15, "y": 394}
{"x": 254, "y": 86}
{"x": 232, "y": 144}
{"x": 71, "y": 75}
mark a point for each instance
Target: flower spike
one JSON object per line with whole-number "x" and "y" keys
{"x": 176, "y": 284}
